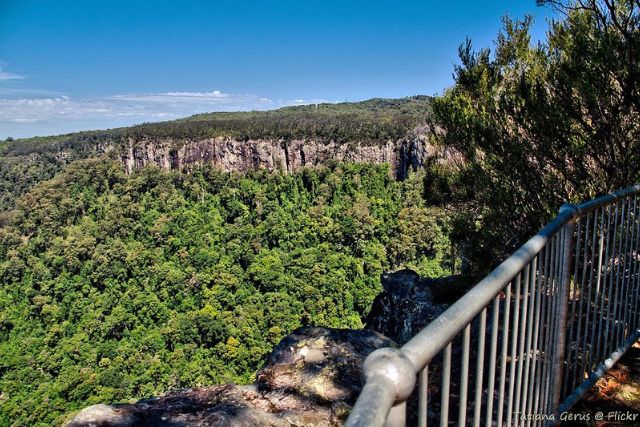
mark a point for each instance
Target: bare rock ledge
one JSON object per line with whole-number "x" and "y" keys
{"x": 311, "y": 378}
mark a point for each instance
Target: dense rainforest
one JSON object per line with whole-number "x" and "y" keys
{"x": 117, "y": 286}
{"x": 541, "y": 123}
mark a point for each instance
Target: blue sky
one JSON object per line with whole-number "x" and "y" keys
{"x": 71, "y": 65}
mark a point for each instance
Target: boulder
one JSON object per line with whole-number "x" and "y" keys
{"x": 102, "y": 415}
{"x": 408, "y": 303}
{"x": 226, "y": 405}
{"x": 320, "y": 363}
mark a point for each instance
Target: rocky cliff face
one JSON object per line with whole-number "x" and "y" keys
{"x": 231, "y": 154}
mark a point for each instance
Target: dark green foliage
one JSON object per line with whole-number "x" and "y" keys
{"x": 371, "y": 121}
{"x": 544, "y": 124}
{"x": 115, "y": 287}
{"x": 23, "y": 163}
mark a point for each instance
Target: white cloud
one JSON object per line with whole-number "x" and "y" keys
{"x": 5, "y": 75}
{"x": 29, "y": 116}
{"x": 213, "y": 94}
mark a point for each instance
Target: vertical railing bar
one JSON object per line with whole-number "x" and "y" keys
{"x": 562, "y": 314}
{"x": 610, "y": 260}
{"x": 581, "y": 285}
{"x": 598, "y": 353}
{"x": 621, "y": 312}
{"x": 522, "y": 336}
{"x": 514, "y": 341}
{"x": 634, "y": 267}
{"x": 553, "y": 321}
{"x": 586, "y": 301}
{"x": 635, "y": 285}
{"x": 480, "y": 368}
{"x": 492, "y": 360}
{"x": 593, "y": 352}
{"x": 635, "y": 313}
{"x": 546, "y": 329}
{"x": 550, "y": 325}
{"x": 503, "y": 359}
{"x": 626, "y": 331}
{"x": 464, "y": 377}
{"x": 554, "y": 318}
{"x": 633, "y": 276}
{"x": 544, "y": 284}
{"x": 446, "y": 386}
{"x": 614, "y": 317}
{"x": 574, "y": 301}
{"x": 527, "y": 361}
{"x": 617, "y": 272}
{"x": 423, "y": 396}
{"x": 636, "y": 277}
{"x": 626, "y": 273}
{"x": 536, "y": 333}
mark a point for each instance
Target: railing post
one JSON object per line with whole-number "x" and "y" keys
{"x": 561, "y": 315}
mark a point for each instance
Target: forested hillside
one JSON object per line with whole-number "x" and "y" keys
{"x": 119, "y": 286}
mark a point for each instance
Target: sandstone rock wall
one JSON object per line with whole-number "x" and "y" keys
{"x": 235, "y": 155}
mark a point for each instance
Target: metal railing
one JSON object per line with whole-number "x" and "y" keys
{"x": 527, "y": 341}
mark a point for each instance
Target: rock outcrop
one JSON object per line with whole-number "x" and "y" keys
{"x": 410, "y": 153}
{"x": 320, "y": 364}
{"x": 225, "y": 405}
{"x": 409, "y": 302}
{"x": 311, "y": 378}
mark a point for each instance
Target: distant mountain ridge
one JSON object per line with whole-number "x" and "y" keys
{"x": 393, "y": 131}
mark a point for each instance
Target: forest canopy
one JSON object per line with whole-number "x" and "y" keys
{"x": 116, "y": 286}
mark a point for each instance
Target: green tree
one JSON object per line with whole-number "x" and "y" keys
{"x": 543, "y": 123}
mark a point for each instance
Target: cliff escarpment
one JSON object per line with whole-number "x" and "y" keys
{"x": 233, "y": 155}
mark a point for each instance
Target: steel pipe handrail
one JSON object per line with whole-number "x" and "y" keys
{"x": 386, "y": 384}
{"x": 591, "y": 205}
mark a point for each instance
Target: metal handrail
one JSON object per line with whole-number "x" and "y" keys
{"x": 540, "y": 271}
